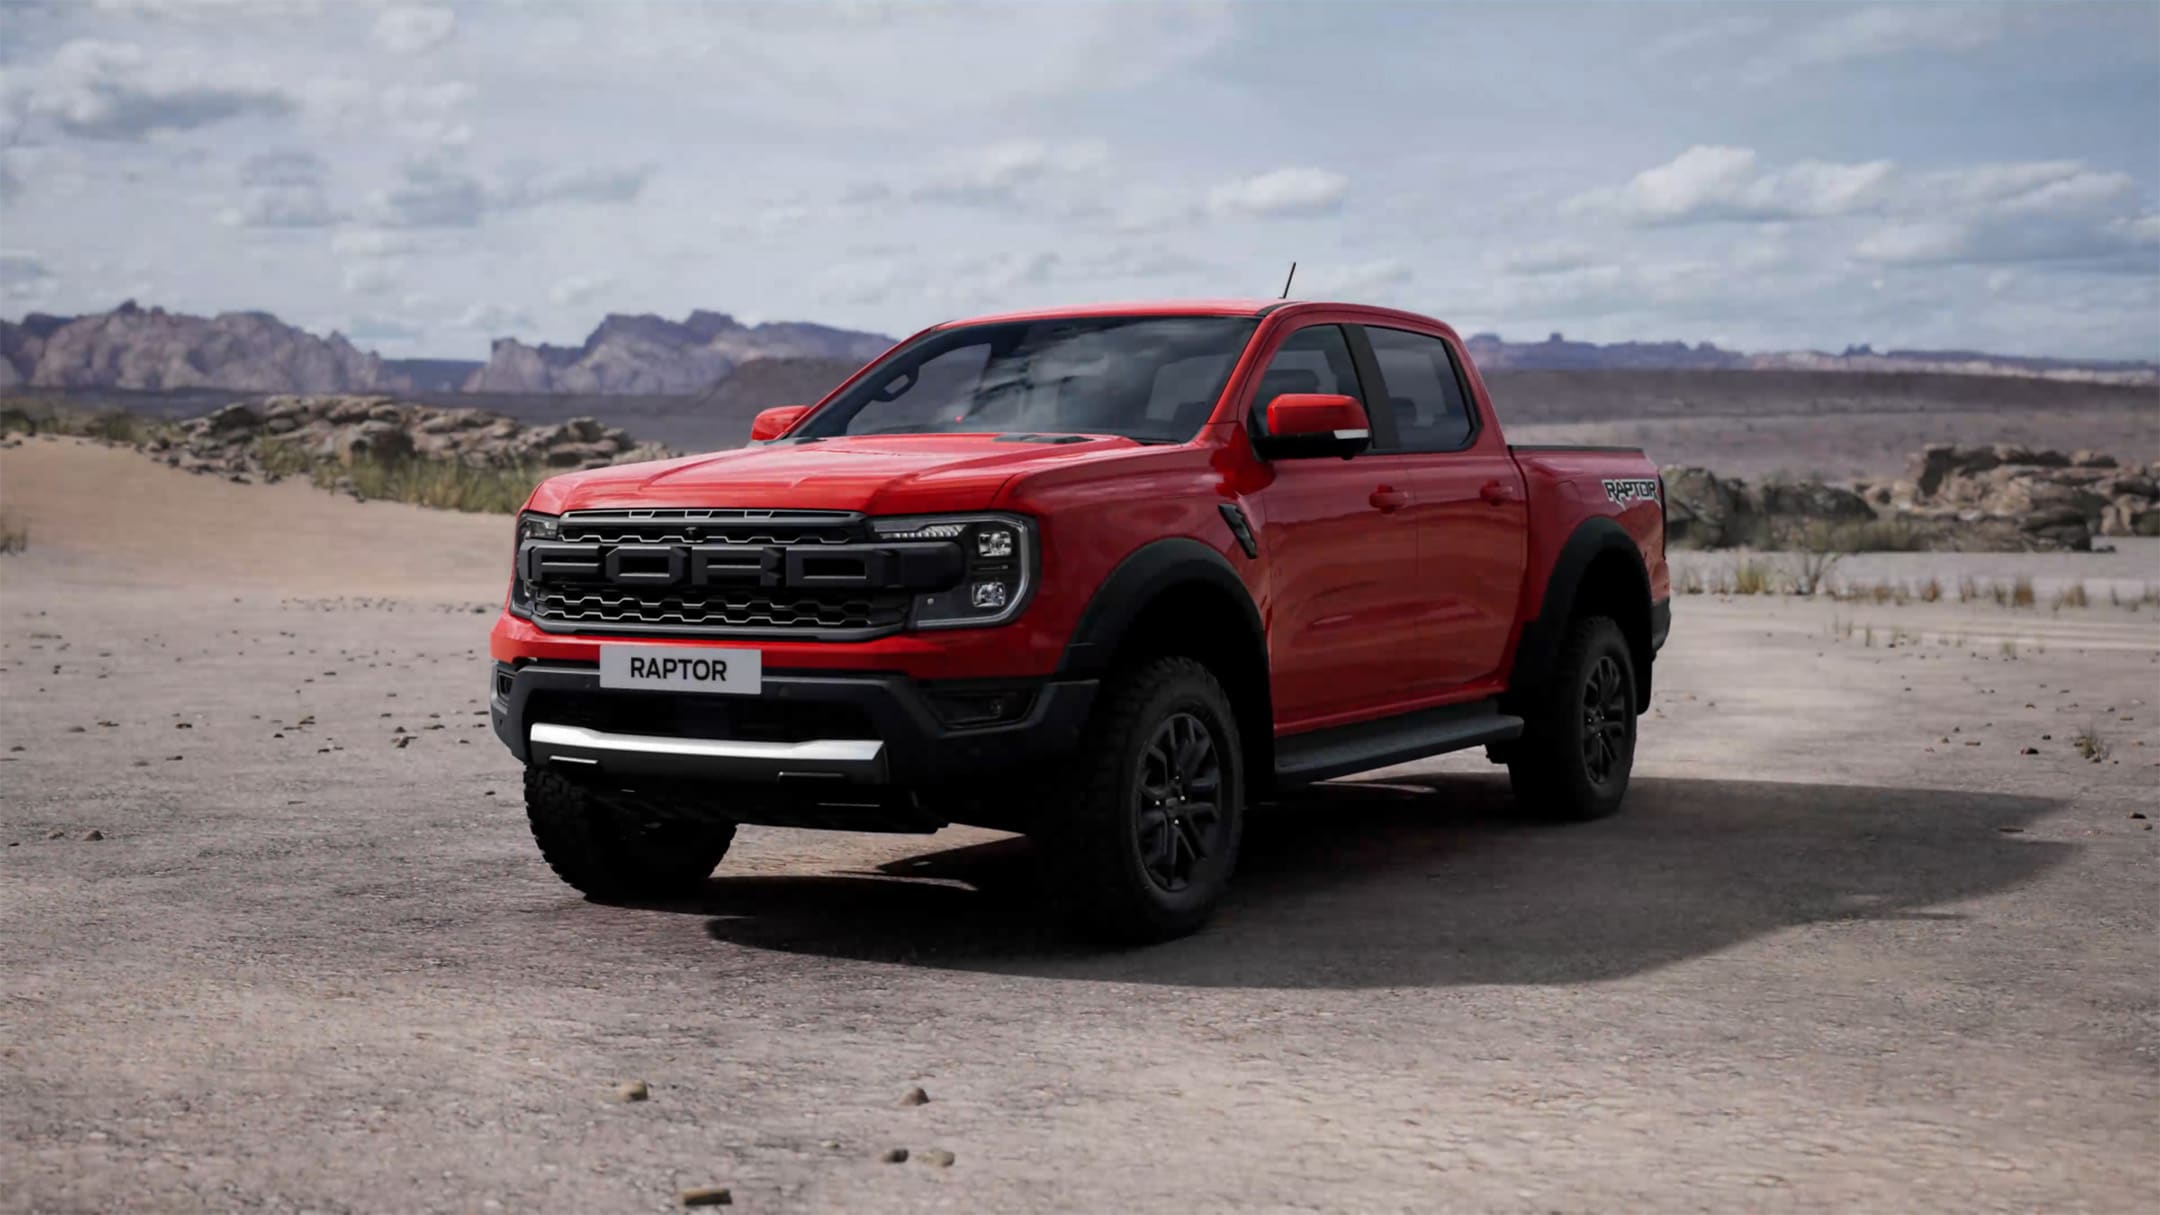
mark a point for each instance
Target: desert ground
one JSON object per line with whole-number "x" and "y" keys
{"x": 1873, "y": 933}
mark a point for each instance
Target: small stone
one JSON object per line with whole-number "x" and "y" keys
{"x": 2011, "y": 830}
{"x": 893, "y": 1156}
{"x": 56, "y": 834}
{"x": 2028, "y": 750}
{"x": 635, "y": 1090}
{"x": 937, "y": 1157}
{"x": 2137, "y": 814}
{"x": 93, "y": 834}
{"x": 915, "y": 1096}
{"x": 707, "y": 1196}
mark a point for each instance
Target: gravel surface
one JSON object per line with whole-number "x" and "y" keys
{"x": 1831, "y": 957}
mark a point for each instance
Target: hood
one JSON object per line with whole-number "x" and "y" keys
{"x": 882, "y": 474}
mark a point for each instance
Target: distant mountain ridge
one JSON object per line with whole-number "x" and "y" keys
{"x": 1557, "y": 353}
{"x": 652, "y": 355}
{"x": 135, "y": 348}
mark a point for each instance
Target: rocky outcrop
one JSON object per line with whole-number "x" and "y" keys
{"x": 287, "y": 430}
{"x": 1989, "y": 498}
{"x": 1558, "y": 353}
{"x": 152, "y": 349}
{"x": 651, "y": 355}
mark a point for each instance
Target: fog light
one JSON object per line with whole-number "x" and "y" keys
{"x": 994, "y": 542}
{"x": 990, "y": 596}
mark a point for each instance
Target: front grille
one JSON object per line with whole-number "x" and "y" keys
{"x": 799, "y": 610}
{"x": 750, "y": 585}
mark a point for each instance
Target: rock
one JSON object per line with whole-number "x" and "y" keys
{"x": 707, "y": 1196}
{"x": 635, "y": 1090}
{"x": 937, "y": 1157}
{"x": 915, "y": 1096}
{"x": 56, "y": 834}
{"x": 93, "y": 834}
{"x": 2092, "y": 459}
{"x": 893, "y": 1156}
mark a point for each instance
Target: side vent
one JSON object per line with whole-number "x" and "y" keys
{"x": 1240, "y": 528}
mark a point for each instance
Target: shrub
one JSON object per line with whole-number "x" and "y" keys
{"x": 14, "y": 533}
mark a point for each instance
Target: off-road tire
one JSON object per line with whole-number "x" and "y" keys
{"x": 1105, "y": 845}
{"x": 611, "y": 851}
{"x": 1554, "y": 766}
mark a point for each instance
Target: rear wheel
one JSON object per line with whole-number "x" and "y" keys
{"x": 1578, "y": 743}
{"x": 1148, "y": 833}
{"x": 615, "y": 850}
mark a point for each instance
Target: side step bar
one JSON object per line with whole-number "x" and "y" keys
{"x": 846, "y": 759}
{"x": 1341, "y": 750}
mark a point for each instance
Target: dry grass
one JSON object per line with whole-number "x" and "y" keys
{"x": 2021, "y": 592}
{"x": 1752, "y": 577}
{"x": 2072, "y": 596}
{"x": 442, "y": 484}
{"x": 14, "y": 532}
{"x": 2091, "y": 744}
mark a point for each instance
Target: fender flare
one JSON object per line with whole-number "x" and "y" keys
{"x": 1539, "y": 647}
{"x": 1145, "y": 572}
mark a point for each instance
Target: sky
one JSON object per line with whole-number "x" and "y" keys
{"x": 427, "y": 177}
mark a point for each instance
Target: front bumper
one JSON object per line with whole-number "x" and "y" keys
{"x": 805, "y": 732}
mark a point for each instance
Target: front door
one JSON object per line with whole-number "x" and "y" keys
{"x": 1342, "y": 548}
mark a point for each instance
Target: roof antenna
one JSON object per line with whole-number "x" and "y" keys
{"x": 1286, "y": 281}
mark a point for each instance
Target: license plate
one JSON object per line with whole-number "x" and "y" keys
{"x": 682, "y": 668}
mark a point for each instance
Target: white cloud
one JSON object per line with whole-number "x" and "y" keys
{"x": 1709, "y": 183}
{"x": 577, "y": 289}
{"x": 286, "y": 189}
{"x": 411, "y": 30}
{"x": 1883, "y": 31}
{"x": 95, "y": 89}
{"x": 1283, "y": 192}
{"x": 1004, "y": 174}
{"x": 438, "y": 193}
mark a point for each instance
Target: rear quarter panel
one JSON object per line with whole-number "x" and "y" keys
{"x": 1568, "y": 486}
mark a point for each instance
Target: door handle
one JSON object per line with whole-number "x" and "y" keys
{"x": 1497, "y": 493}
{"x": 1388, "y": 499}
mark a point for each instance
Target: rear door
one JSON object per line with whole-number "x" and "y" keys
{"x": 1342, "y": 555}
{"x": 1472, "y": 515}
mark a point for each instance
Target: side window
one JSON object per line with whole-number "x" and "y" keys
{"x": 1423, "y": 390}
{"x": 1314, "y": 359}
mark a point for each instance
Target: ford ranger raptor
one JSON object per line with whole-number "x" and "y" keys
{"x": 1106, "y": 576}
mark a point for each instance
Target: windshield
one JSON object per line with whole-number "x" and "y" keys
{"x": 1149, "y": 378}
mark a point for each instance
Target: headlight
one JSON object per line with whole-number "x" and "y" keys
{"x": 529, "y": 527}
{"x": 1000, "y": 557}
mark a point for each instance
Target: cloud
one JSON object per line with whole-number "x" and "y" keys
{"x": 21, "y": 269}
{"x": 438, "y": 193}
{"x": 1364, "y": 282}
{"x": 1281, "y": 193}
{"x": 494, "y": 319}
{"x": 107, "y": 90}
{"x": 1880, "y": 32}
{"x": 282, "y": 190}
{"x": 577, "y": 289}
{"x": 412, "y": 30}
{"x": 369, "y": 328}
{"x": 1005, "y": 174}
{"x": 374, "y": 242}
{"x": 1712, "y": 184}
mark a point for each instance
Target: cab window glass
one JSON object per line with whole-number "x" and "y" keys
{"x": 1423, "y": 390}
{"x": 1314, "y": 359}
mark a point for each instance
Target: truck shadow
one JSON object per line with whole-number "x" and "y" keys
{"x": 1431, "y": 881}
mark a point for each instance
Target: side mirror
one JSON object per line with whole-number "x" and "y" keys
{"x": 772, "y": 423}
{"x": 1314, "y": 424}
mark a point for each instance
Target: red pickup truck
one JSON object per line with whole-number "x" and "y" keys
{"x": 1104, "y": 575}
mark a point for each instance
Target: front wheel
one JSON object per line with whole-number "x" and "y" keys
{"x": 1148, "y": 832}
{"x": 1578, "y": 744}
{"x": 617, "y": 851}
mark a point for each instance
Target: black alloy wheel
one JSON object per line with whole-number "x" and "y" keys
{"x": 1177, "y": 801}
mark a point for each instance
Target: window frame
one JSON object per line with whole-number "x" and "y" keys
{"x": 1394, "y": 443}
{"x": 1362, "y": 370}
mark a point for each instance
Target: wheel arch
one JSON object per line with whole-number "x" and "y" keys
{"x": 1179, "y": 596}
{"x": 1599, "y": 572}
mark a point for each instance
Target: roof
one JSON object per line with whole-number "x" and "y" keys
{"x": 1131, "y": 308}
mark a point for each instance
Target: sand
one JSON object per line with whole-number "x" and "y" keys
{"x": 1831, "y": 957}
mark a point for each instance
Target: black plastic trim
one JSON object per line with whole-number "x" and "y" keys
{"x": 1240, "y": 528}
{"x": 1538, "y": 649}
{"x": 921, "y": 752}
{"x": 1342, "y": 750}
{"x": 1571, "y": 447}
{"x": 1660, "y": 623}
{"x": 1149, "y": 570}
